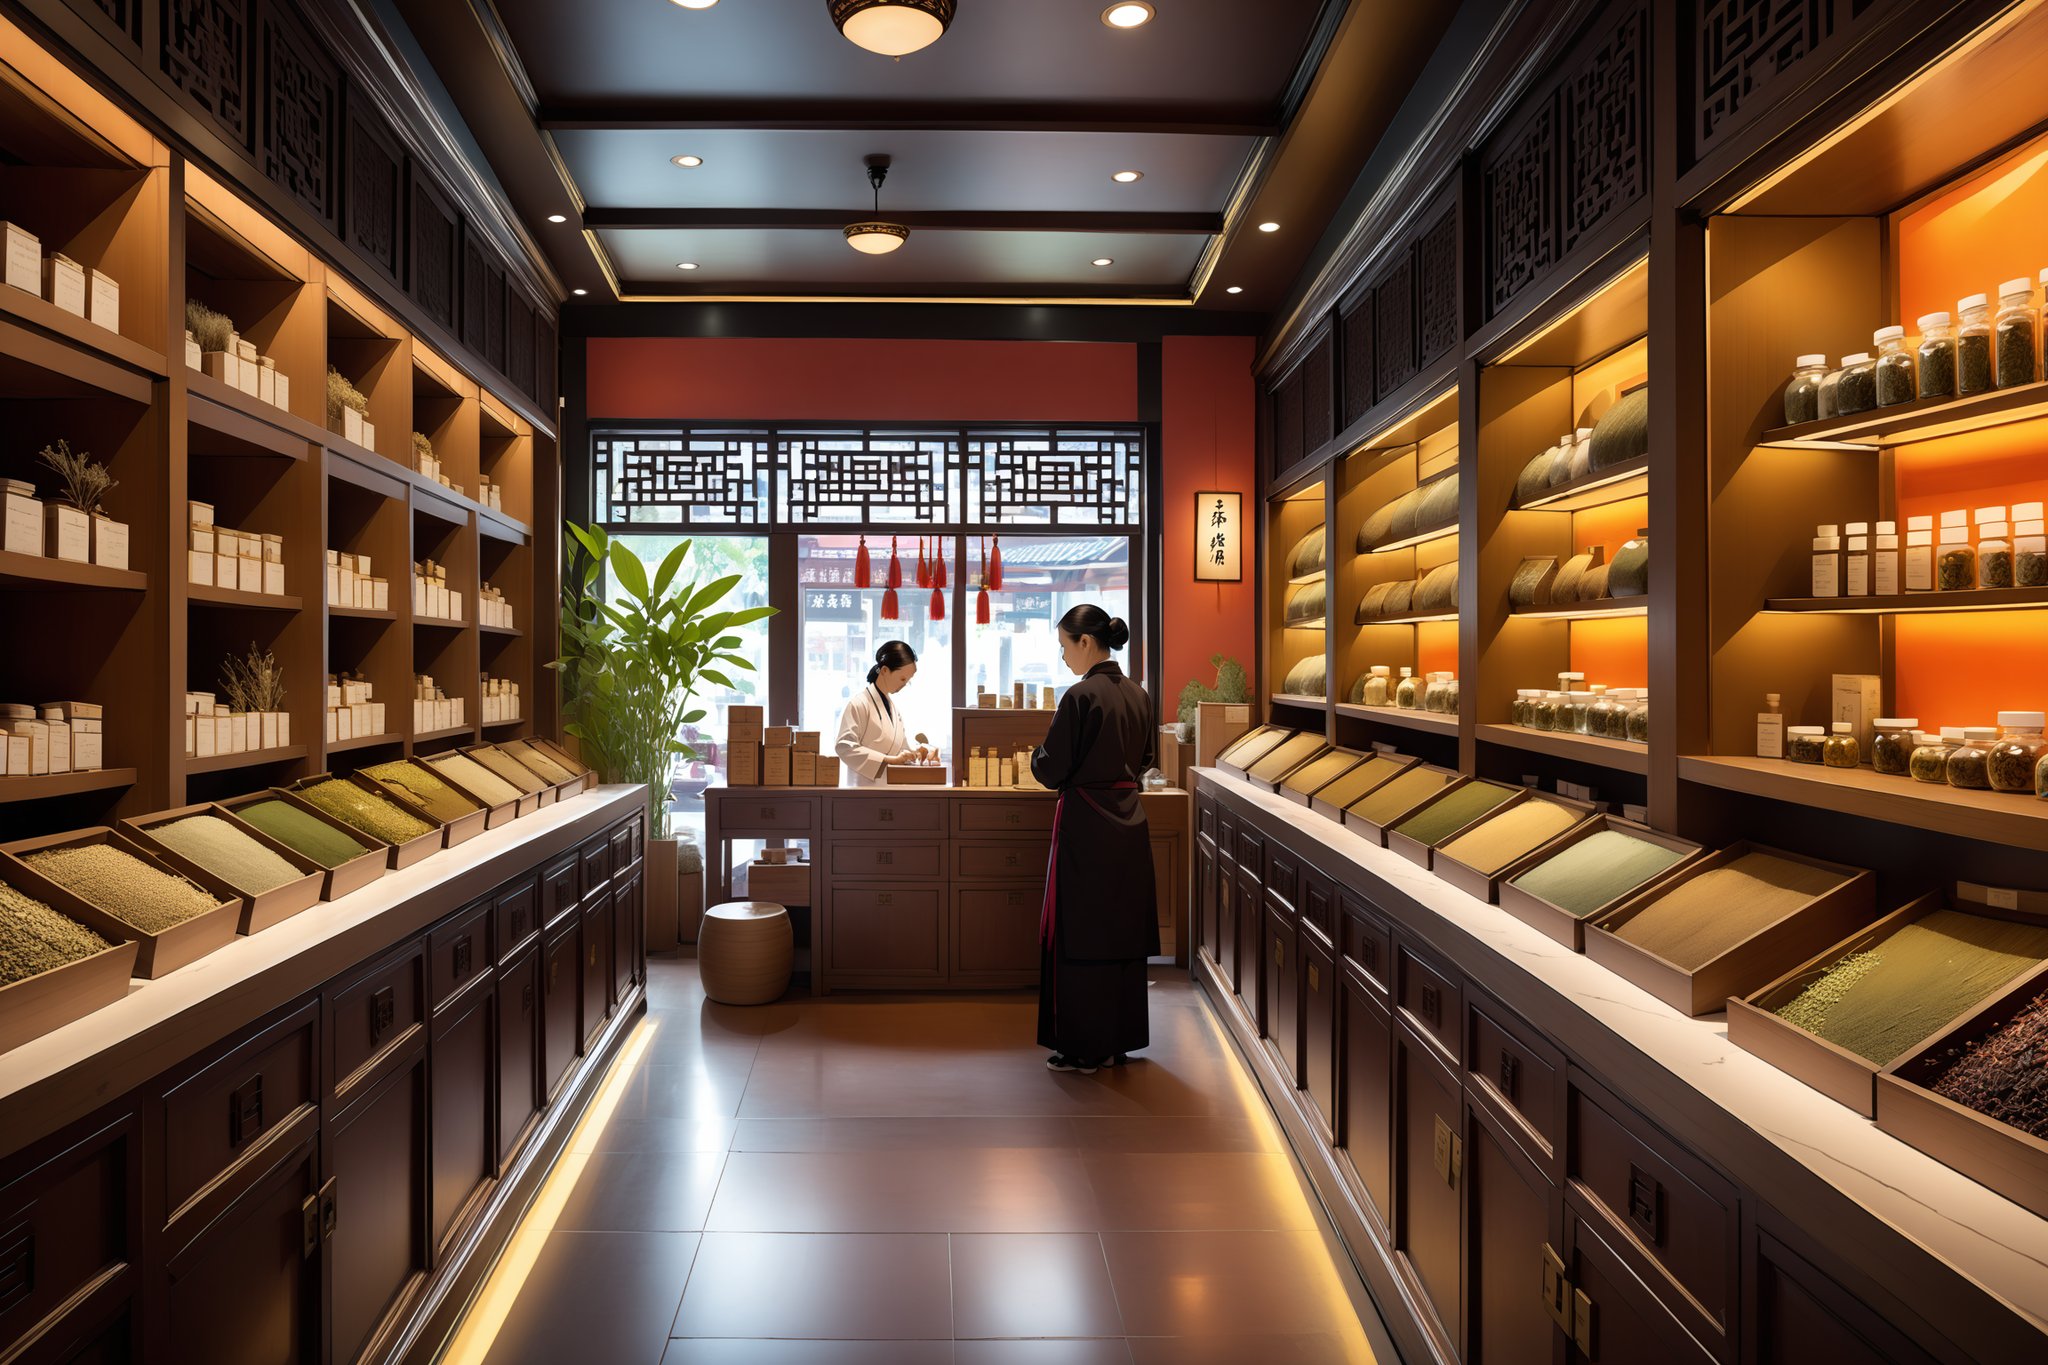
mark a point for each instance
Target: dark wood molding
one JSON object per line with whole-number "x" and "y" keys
{"x": 985, "y": 220}
{"x": 895, "y": 321}
{"x": 910, "y": 116}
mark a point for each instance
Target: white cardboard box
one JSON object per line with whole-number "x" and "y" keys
{"x": 60, "y": 745}
{"x": 269, "y": 723}
{"x": 273, "y": 579}
{"x": 103, "y": 295}
{"x": 1858, "y": 699}
{"x": 24, "y": 524}
{"x": 193, "y": 358}
{"x": 352, "y": 426}
{"x": 223, "y": 365}
{"x": 70, "y": 532}
{"x": 24, "y": 258}
{"x": 109, "y": 543}
{"x": 266, "y": 386}
{"x": 283, "y": 395}
{"x": 64, "y": 284}
{"x": 369, "y": 434}
{"x": 227, "y": 571}
{"x": 250, "y": 574}
{"x": 86, "y": 750}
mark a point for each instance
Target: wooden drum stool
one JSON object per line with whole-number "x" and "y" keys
{"x": 743, "y": 952}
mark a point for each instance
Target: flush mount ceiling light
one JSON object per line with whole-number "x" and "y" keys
{"x": 557, "y": 218}
{"x": 688, "y": 163}
{"x": 1129, "y": 15}
{"x": 875, "y": 237}
{"x": 1235, "y": 289}
{"x": 579, "y": 292}
{"x": 696, "y": 4}
{"x": 892, "y": 28}
{"x": 1104, "y": 260}
{"x": 686, "y": 265}
{"x": 1128, "y": 177}
{"x": 1269, "y": 227}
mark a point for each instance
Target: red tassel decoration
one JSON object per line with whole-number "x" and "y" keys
{"x": 895, "y": 571}
{"x": 924, "y": 572}
{"x": 889, "y": 605}
{"x": 981, "y": 598}
{"x": 995, "y": 567}
{"x": 861, "y": 576}
{"x": 938, "y": 570}
{"x": 938, "y": 604}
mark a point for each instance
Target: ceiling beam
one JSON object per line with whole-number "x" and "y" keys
{"x": 875, "y": 116}
{"x": 1030, "y": 220}
{"x": 769, "y": 291}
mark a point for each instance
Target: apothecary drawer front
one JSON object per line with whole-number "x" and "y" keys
{"x": 766, "y": 813}
{"x": 559, "y": 893}
{"x": 519, "y": 909}
{"x": 1369, "y": 944}
{"x": 460, "y": 952}
{"x": 905, "y": 815}
{"x": 995, "y": 931}
{"x": 886, "y": 931}
{"x": 217, "y": 1116}
{"x": 994, "y": 815}
{"x": 1006, "y": 860}
{"x": 923, "y": 861}
{"x": 1429, "y": 998}
{"x": 64, "y": 1226}
{"x": 1517, "y": 1070}
{"x": 368, "y": 1015}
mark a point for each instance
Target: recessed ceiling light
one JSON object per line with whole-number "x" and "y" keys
{"x": 688, "y": 163}
{"x": 696, "y": 4}
{"x": 579, "y": 292}
{"x": 686, "y": 265}
{"x": 1128, "y": 15}
{"x": 1128, "y": 177}
{"x": 1235, "y": 289}
{"x": 557, "y": 218}
{"x": 1269, "y": 227}
{"x": 1104, "y": 260}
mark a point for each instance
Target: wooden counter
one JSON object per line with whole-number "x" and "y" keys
{"x": 923, "y": 888}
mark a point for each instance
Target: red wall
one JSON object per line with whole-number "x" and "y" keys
{"x": 1207, "y": 415}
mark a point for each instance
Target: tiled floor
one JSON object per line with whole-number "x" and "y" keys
{"x": 861, "y": 1182}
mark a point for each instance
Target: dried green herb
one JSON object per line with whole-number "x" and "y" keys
{"x": 1806, "y": 748}
{"x": 1894, "y": 380}
{"x": 86, "y": 480}
{"x": 1596, "y": 871}
{"x": 1970, "y": 768}
{"x": 35, "y": 938}
{"x": 1706, "y": 916}
{"x": 1856, "y": 390}
{"x": 253, "y": 682}
{"x": 343, "y": 394}
{"x": 1840, "y": 752}
{"x": 2030, "y": 569}
{"x": 1400, "y": 794}
{"x": 1994, "y": 569}
{"x": 1355, "y": 784}
{"x": 1938, "y": 369}
{"x": 302, "y": 832}
{"x": 1510, "y": 836}
{"x": 124, "y": 886}
{"x": 2003, "y": 1074}
{"x": 2015, "y": 352}
{"x": 472, "y": 777}
{"x": 1809, "y": 1009}
{"x": 1930, "y": 763}
{"x": 424, "y": 790}
{"x": 229, "y": 854}
{"x": 366, "y": 810}
{"x": 1453, "y": 811}
{"x": 1957, "y": 570}
{"x": 210, "y": 329}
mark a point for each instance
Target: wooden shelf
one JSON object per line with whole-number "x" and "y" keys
{"x": 510, "y": 632}
{"x": 65, "y": 784}
{"x": 502, "y": 724}
{"x": 1411, "y": 620}
{"x": 438, "y": 503}
{"x": 1289, "y": 699}
{"x": 1605, "y": 609}
{"x": 1419, "y": 538}
{"x": 38, "y": 572}
{"x": 342, "y": 746}
{"x": 1434, "y": 722}
{"x": 202, "y": 595}
{"x": 2014, "y": 819}
{"x": 497, "y": 526}
{"x": 1607, "y": 753}
{"x": 443, "y": 734}
{"x": 1925, "y": 419}
{"x": 1306, "y": 579}
{"x": 88, "y": 338}
{"x": 252, "y": 758}
{"x": 362, "y": 614}
{"x": 438, "y": 623}
{"x": 239, "y": 425}
{"x": 1630, "y": 479}
{"x": 1917, "y": 603}
{"x": 1319, "y": 623}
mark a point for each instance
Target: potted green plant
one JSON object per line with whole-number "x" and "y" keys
{"x": 632, "y": 664}
{"x": 1200, "y": 704}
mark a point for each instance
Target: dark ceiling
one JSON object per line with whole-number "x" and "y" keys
{"x": 1004, "y": 135}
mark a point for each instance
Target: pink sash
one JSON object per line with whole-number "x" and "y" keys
{"x": 1048, "y": 910}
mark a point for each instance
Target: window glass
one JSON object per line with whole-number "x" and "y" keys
{"x": 842, "y": 628}
{"x": 1043, "y": 576}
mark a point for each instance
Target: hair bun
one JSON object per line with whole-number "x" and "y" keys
{"x": 1118, "y": 635}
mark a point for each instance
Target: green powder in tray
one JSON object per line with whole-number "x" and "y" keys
{"x": 1596, "y": 871}
{"x": 226, "y": 852}
{"x": 423, "y": 789}
{"x": 535, "y": 758}
{"x": 1403, "y": 793}
{"x": 1455, "y": 810}
{"x": 1879, "y": 1002}
{"x": 124, "y": 886}
{"x": 474, "y": 778}
{"x": 509, "y": 768}
{"x": 367, "y": 811}
{"x": 1706, "y": 916}
{"x": 35, "y": 938}
{"x": 1513, "y": 834}
{"x": 301, "y": 831}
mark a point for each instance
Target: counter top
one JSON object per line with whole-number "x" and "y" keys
{"x": 909, "y": 789}
{"x": 66, "y": 1074}
{"x": 1781, "y": 1129}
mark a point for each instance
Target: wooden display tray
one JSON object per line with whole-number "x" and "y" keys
{"x": 1366, "y": 829}
{"x": 1301, "y": 796}
{"x": 1419, "y": 853}
{"x": 494, "y": 816}
{"x": 1563, "y": 926}
{"x": 156, "y": 954}
{"x": 578, "y": 778}
{"x": 399, "y": 855}
{"x": 1825, "y": 919}
{"x": 1995, "y": 1155}
{"x": 1329, "y": 811}
{"x": 35, "y": 1005}
{"x": 1486, "y": 885}
{"x": 259, "y": 910}
{"x": 1252, "y": 746}
{"x": 1846, "y": 1077}
{"x": 914, "y": 775}
{"x": 585, "y": 779}
{"x": 529, "y": 801}
{"x": 1308, "y": 756}
{"x": 335, "y": 882}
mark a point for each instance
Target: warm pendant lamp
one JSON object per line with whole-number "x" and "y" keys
{"x": 892, "y": 28}
{"x": 875, "y": 237}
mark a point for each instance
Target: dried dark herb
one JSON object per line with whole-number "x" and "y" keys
{"x": 1856, "y": 390}
{"x": 2003, "y": 1074}
{"x": 1957, "y": 570}
{"x": 2015, "y": 352}
{"x": 1840, "y": 751}
{"x": 1639, "y": 725}
{"x": 2030, "y": 569}
{"x": 1891, "y": 752}
{"x": 1994, "y": 569}
{"x": 1802, "y": 400}
{"x": 1930, "y": 763}
{"x": 1970, "y": 768}
{"x": 1938, "y": 369}
{"x": 2012, "y": 765}
{"x": 1973, "y": 363}
{"x": 1894, "y": 380}
{"x": 1806, "y": 748}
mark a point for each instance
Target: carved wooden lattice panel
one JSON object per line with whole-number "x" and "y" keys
{"x": 372, "y": 211}
{"x": 206, "y": 55}
{"x": 1393, "y": 297}
{"x": 474, "y": 280}
{"x": 494, "y": 318}
{"x": 1436, "y": 289}
{"x": 1743, "y": 48}
{"x": 1318, "y": 413}
{"x": 1606, "y": 103}
{"x": 874, "y": 477}
{"x": 702, "y": 478}
{"x": 1056, "y": 478}
{"x": 1355, "y": 338}
{"x": 519, "y": 318}
{"x": 1518, "y": 191}
{"x": 1287, "y": 447}
{"x": 430, "y": 265}
{"x": 544, "y": 360}
{"x": 125, "y": 16}
{"x": 301, "y": 114}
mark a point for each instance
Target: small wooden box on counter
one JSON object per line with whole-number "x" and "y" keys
{"x": 1825, "y": 919}
{"x": 1486, "y": 885}
{"x": 1563, "y": 926}
{"x": 1994, "y": 1154}
{"x": 917, "y": 774}
{"x": 1419, "y": 853}
{"x": 775, "y": 765}
{"x": 335, "y": 882}
{"x": 34, "y": 1005}
{"x": 156, "y": 954}
{"x": 781, "y": 883}
{"x": 742, "y": 763}
{"x": 260, "y": 910}
{"x": 398, "y": 855}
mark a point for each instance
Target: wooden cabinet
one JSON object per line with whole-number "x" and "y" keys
{"x": 883, "y": 936}
{"x": 1206, "y": 921}
{"x": 1428, "y": 1154}
{"x": 561, "y": 980}
{"x": 465, "y": 1158}
{"x": 1367, "y": 1094}
{"x": 459, "y": 954}
{"x": 374, "y": 1017}
{"x": 1320, "y": 989}
{"x": 1281, "y": 965}
{"x": 629, "y": 928}
{"x": 1617, "y": 1317}
{"x": 1802, "y": 1316}
{"x": 518, "y": 1089}
{"x": 375, "y": 1206}
{"x": 1513, "y": 1216}
{"x": 598, "y": 918}
{"x": 69, "y": 1237}
{"x": 1244, "y": 950}
{"x": 247, "y": 1291}
{"x": 994, "y": 935}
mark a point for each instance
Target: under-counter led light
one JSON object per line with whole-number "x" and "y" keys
{"x": 1128, "y": 177}
{"x": 1128, "y": 15}
{"x": 1235, "y": 289}
{"x": 557, "y": 218}
{"x": 688, "y": 163}
{"x": 1269, "y": 227}
{"x": 686, "y": 265}
{"x": 1104, "y": 260}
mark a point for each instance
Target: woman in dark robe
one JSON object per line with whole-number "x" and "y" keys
{"x": 1098, "y": 924}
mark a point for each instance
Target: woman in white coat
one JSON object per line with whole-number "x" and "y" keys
{"x": 871, "y": 728}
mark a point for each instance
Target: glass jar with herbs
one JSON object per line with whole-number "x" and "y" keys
{"x": 1802, "y": 394}
{"x": 1433, "y": 693}
{"x": 2016, "y": 334}
{"x": 2029, "y": 547}
{"x": 1937, "y": 356}
{"x": 1855, "y": 385}
{"x": 1518, "y": 714}
{"x": 1375, "y": 693}
{"x": 1638, "y": 720}
{"x": 1969, "y": 763}
{"x": 1891, "y": 747}
{"x": 1894, "y": 367}
{"x": 1543, "y": 711}
{"x": 1841, "y": 750}
{"x": 1929, "y": 760}
{"x": 1806, "y": 743}
{"x": 1830, "y": 386}
{"x": 1973, "y": 346}
{"x": 2018, "y": 751}
{"x": 1955, "y": 559}
{"x": 1994, "y": 556}
{"x": 1407, "y": 692}
{"x": 1607, "y": 717}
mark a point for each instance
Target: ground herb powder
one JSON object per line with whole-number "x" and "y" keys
{"x": 302, "y": 832}
{"x": 1512, "y": 835}
{"x": 1703, "y": 918}
{"x": 1362, "y": 779}
{"x": 227, "y": 853}
{"x": 124, "y": 886}
{"x": 2004, "y": 1073}
{"x": 533, "y": 758}
{"x": 1398, "y": 796}
{"x": 1596, "y": 871}
{"x": 510, "y": 768}
{"x": 365, "y": 810}
{"x": 421, "y": 787}
{"x": 1455, "y": 810}
{"x": 35, "y": 938}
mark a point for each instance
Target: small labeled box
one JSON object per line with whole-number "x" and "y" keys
{"x": 103, "y": 300}
{"x": 64, "y": 284}
{"x": 23, "y": 518}
{"x": 775, "y": 767}
{"x": 266, "y": 384}
{"x": 109, "y": 543}
{"x": 803, "y": 768}
{"x": 193, "y": 358}
{"x": 828, "y": 770}
{"x": 778, "y": 736}
{"x": 743, "y": 765}
{"x": 805, "y": 742}
{"x": 24, "y": 257}
{"x": 273, "y": 579}
{"x": 70, "y": 533}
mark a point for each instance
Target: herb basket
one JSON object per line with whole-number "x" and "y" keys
{"x": 1375, "y": 831}
{"x": 1355, "y": 785}
{"x": 1422, "y": 854}
{"x": 1561, "y": 925}
{"x": 502, "y": 814}
{"x": 457, "y": 831}
{"x": 1304, "y": 782}
{"x": 529, "y": 801}
{"x": 1485, "y": 885}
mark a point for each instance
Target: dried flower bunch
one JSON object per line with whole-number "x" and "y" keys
{"x": 421, "y": 446}
{"x": 254, "y": 682}
{"x": 86, "y": 480}
{"x": 210, "y": 329}
{"x": 343, "y": 394}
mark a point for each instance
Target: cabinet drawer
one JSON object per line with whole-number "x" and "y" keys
{"x": 1205, "y": 818}
{"x": 558, "y": 896}
{"x": 458, "y": 952}
{"x": 1510, "y": 1063}
{"x": 907, "y": 814}
{"x": 1368, "y": 943}
{"x": 1009, "y": 860}
{"x": 918, "y": 861}
{"x": 1318, "y": 903}
{"x": 1682, "y": 1214}
{"x": 368, "y": 1016}
{"x": 886, "y": 932}
{"x": 519, "y": 907}
{"x": 1283, "y": 877}
{"x": 63, "y": 1226}
{"x": 995, "y": 815}
{"x": 1430, "y": 1000}
{"x": 1226, "y": 835}
{"x": 213, "y": 1118}
{"x": 597, "y": 865}
{"x": 765, "y": 813}
{"x": 622, "y": 848}
{"x": 1251, "y": 851}
{"x": 995, "y": 932}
